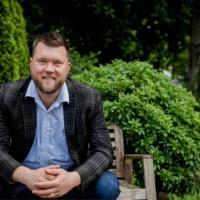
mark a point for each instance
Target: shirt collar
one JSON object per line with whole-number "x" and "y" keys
{"x": 62, "y": 97}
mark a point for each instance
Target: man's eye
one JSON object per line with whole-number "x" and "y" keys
{"x": 57, "y": 63}
{"x": 41, "y": 61}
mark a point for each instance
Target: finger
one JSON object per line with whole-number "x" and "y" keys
{"x": 51, "y": 171}
{"x": 50, "y": 177}
{"x": 49, "y": 193}
{"x": 54, "y": 195}
{"x": 51, "y": 196}
{"x": 46, "y": 184}
{"x": 53, "y": 166}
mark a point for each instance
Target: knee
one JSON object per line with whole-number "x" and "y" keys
{"x": 107, "y": 186}
{"x": 2, "y": 191}
{"x": 1, "y": 188}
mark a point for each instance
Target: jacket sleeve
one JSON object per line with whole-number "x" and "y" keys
{"x": 101, "y": 153}
{"x": 7, "y": 163}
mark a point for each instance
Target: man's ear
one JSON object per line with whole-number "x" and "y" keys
{"x": 69, "y": 66}
{"x": 30, "y": 62}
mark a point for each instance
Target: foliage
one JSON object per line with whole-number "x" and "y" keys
{"x": 82, "y": 63}
{"x": 193, "y": 72}
{"x": 157, "y": 117}
{"x": 128, "y": 29}
{"x": 14, "y": 49}
{"x": 185, "y": 197}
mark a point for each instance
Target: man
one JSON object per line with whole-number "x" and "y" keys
{"x": 53, "y": 138}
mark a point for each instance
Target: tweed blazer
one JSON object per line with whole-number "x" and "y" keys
{"x": 87, "y": 135}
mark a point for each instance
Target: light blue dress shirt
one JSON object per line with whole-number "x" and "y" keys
{"x": 50, "y": 145}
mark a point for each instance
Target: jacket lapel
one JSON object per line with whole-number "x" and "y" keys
{"x": 29, "y": 119}
{"x": 69, "y": 120}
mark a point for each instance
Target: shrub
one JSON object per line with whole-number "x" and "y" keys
{"x": 157, "y": 117}
{"x": 14, "y": 50}
{"x": 184, "y": 197}
{"x": 82, "y": 63}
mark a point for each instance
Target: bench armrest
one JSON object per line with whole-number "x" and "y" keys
{"x": 149, "y": 178}
{"x": 128, "y": 164}
{"x": 137, "y": 156}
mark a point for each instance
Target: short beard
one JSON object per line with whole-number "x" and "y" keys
{"x": 44, "y": 90}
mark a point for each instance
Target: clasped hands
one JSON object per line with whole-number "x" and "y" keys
{"x": 51, "y": 181}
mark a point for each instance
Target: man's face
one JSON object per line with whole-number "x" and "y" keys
{"x": 49, "y": 67}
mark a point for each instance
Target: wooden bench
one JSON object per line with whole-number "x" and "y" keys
{"x": 123, "y": 169}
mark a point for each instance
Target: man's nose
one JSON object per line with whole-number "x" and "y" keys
{"x": 49, "y": 67}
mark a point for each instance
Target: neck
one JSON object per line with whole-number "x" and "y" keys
{"x": 48, "y": 99}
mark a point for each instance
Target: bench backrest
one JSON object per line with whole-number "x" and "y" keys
{"x": 117, "y": 141}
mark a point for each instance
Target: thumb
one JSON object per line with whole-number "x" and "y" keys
{"x": 53, "y": 167}
{"x": 52, "y": 171}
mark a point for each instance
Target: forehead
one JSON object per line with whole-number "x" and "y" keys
{"x": 43, "y": 50}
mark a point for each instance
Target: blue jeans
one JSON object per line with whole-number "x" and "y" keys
{"x": 105, "y": 187}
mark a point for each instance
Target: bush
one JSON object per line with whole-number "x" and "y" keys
{"x": 184, "y": 197}
{"x": 83, "y": 63}
{"x": 14, "y": 50}
{"x": 157, "y": 117}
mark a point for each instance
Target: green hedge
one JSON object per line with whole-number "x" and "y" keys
{"x": 81, "y": 63}
{"x": 157, "y": 117}
{"x": 14, "y": 50}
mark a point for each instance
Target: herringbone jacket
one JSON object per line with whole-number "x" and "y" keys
{"x": 84, "y": 124}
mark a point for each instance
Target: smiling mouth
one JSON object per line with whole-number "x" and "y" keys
{"x": 48, "y": 78}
